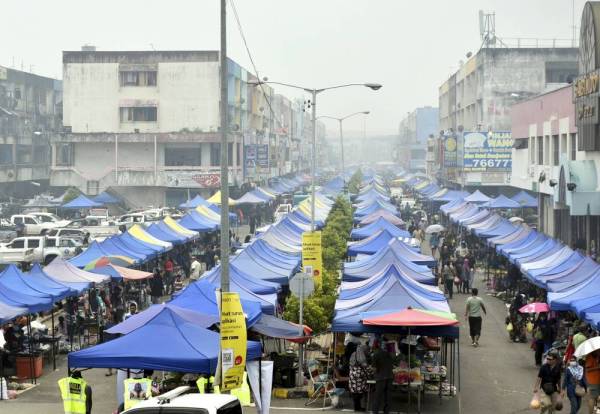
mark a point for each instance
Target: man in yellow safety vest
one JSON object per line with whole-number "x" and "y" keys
{"x": 76, "y": 394}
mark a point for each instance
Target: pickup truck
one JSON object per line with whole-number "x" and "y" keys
{"x": 49, "y": 218}
{"x": 37, "y": 249}
{"x": 282, "y": 210}
{"x": 96, "y": 232}
{"x": 77, "y": 234}
{"x": 32, "y": 225}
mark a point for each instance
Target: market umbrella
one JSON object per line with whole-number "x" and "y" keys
{"x": 123, "y": 261}
{"x": 587, "y": 347}
{"x": 535, "y": 307}
{"x": 413, "y": 317}
{"x": 434, "y": 228}
{"x": 516, "y": 220}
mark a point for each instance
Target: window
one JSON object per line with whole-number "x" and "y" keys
{"x": 239, "y": 154}
{"x": 532, "y": 150}
{"x": 137, "y": 78}
{"x": 563, "y": 144}
{"x": 17, "y": 244}
{"x": 93, "y": 187}
{"x": 40, "y": 154}
{"x": 30, "y": 220}
{"x": 547, "y": 150}
{"x": 230, "y": 154}
{"x": 178, "y": 156}
{"x": 33, "y": 243}
{"x": 24, "y": 154}
{"x": 17, "y": 93}
{"x": 540, "y": 150}
{"x": 64, "y": 154}
{"x": 138, "y": 114}
{"x": 573, "y": 147}
{"x": 561, "y": 72}
{"x": 50, "y": 242}
{"x": 215, "y": 154}
{"x": 67, "y": 243}
{"x": 18, "y": 220}
{"x": 52, "y": 232}
{"x": 6, "y": 154}
{"x": 555, "y": 150}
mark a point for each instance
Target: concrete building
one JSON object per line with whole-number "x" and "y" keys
{"x": 145, "y": 124}
{"x": 478, "y": 99}
{"x": 414, "y": 131}
{"x": 30, "y": 112}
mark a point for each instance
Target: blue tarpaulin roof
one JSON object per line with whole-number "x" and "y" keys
{"x": 251, "y": 198}
{"x": 163, "y": 232}
{"x": 35, "y": 286}
{"x": 14, "y": 293}
{"x": 197, "y": 222}
{"x": 239, "y": 278}
{"x": 569, "y": 278}
{"x": 194, "y": 202}
{"x": 106, "y": 198}
{"x": 502, "y": 202}
{"x": 8, "y": 313}
{"x": 519, "y": 233}
{"x": 525, "y": 199}
{"x": 380, "y": 224}
{"x": 82, "y": 202}
{"x": 477, "y": 197}
{"x": 42, "y": 278}
{"x": 201, "y": 297}
{"x": 191, "y": 348}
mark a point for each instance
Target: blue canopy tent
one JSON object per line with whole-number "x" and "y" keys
{"x": 197, "y": 222}
{"x": 473, "y": 217}
{"x": 547, "y": 262}
{"x": 572, "y": 277}
{"x": 452, "y": 206}
{"x": 371, "y": 244}
{"x": 502, "y": 228}
{"x": 201, "y": 297}
{"x": 477, "y": 197}
{"x": 519, "y": 233}
{"x": 106, "y": 198}
{"x": 191, "y": 348}
{"x": 549, "y": 247}
{"x": 32, "y": 301}
{"x": 509, "y": 247}
{"x": 525, "y": 200}
{"x": 251, "y": 198}
{"x": 357, "y": 289}
{"x": 380, "y": 224}
{"x": 363, "y": 269}
{"x": 232, "y": 216}
{"x": 542, "y": 277}
{"x": 467, "y": 211}
{"x": 565, "y": 300}
{"x": 239, "y": 278}
{"x": 163, "y": 232}
{"x": 264, "y": 249}
{"x": 8, "y": 312}
{"x": 265, "y": 193}
{"x": 82, "y": 202}
{"x": 115, "y": 246}
{"x": 487, "y": 223}
{"x": 451, "y": 195}
{"x": 362, "y": 211}
{"x": 501, "y": 202}
{"x": 94, "y": 252}
{"x": 40, "y": 277}
{"x": 263, "y": 268}
{"x": 395, "y": 294}
{"x": 194, "y": 202}
{"x": 138, "y": 245}
{"x": 35, "y": 286}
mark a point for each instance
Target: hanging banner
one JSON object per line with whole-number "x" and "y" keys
{"x": 312, "y": 254}
{"x": 189, "y": 179}
{"x": 450, "y": 148}
{"x": 487, "y": 151}
{"x": 233, "y": 341}
{"x": 262, "y": 155}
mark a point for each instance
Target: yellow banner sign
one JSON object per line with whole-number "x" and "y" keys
{"x": 312, "y": 253}
{"x": 233, "y": 341}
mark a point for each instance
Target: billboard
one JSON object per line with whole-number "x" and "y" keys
{"x": 256, "y": 155}
{"x": 450, "y": 148}
{"x": 185, "y": 179}
{"x": 487, "y": 151}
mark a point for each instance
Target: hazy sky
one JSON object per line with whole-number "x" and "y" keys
{"x": 408, "y": 46}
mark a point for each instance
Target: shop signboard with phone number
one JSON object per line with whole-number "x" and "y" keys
{"x": 487, "y": 151}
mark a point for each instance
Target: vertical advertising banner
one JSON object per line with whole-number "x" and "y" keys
{"x": 450, "y": 150}
{"x": 233, "y": 341}
{"x": 262, "y": 155}
{"x": 312, "y": 254}
{"x": 487, "y": 151}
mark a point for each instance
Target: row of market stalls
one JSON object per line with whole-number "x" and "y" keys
{"x": 389, "y": 289}
{"x": 570, "y": 278}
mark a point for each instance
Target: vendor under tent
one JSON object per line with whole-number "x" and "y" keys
{"x": 64, "y": 272}
{"x": 191, "y": 348}
{"x": 106, "y": 198}
{"x": 194, "y": 202}
{"x": 525, "y": 200}
{"x": 140, "y": 319}
{"x": 82, "y": 202}
{"x": 477, "y": 197}
{"x": 380, "y": 224}
{"x": 119, "y": 273}
{"x": 502, "y": 202}
{"x": 200, "y": 296}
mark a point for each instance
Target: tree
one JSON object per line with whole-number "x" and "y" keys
{"x": 72, "y": 194}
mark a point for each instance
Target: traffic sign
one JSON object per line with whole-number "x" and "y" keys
{"x": 302, "y": 285}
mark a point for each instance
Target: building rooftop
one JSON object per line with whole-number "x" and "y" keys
{"x": 140, "y": 56}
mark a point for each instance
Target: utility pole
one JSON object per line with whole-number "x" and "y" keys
{"x": 342, "y": 147}
{"x": 314, "y": 159}
{"x": 224, "y": 155}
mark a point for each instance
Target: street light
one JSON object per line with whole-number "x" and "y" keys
{"x": 314, "y": 92}
{"x": 341, "y": 120}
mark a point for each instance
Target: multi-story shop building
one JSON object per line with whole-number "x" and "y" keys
{"x": 30, "y": 112}
{"x": 475, "y": 106}
{"x": 145, "y": 124}
{"x": 414, "y": 131}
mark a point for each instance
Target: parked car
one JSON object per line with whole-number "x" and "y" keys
{"x": 39, "y": 249}
{"x": 77, "y": 234}
{"x": 49, "y": 218}
{"x": 181, "y": 400}
{"x": 32, "y": 225}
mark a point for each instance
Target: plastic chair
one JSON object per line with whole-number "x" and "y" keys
{"x": 323, "y": 385}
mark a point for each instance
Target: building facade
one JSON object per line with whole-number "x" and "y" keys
{"x": 30, "y": 113}
{"x": 477, "y": 100}
{"x": 415, "y": 130}
{"x": 146, "y": 125}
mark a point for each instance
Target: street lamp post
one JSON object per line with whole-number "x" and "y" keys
{"x": 341, "y": 120}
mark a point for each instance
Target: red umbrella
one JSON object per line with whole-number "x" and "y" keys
{"x": 535, "y": 307}
{"x": 413, "y": 317}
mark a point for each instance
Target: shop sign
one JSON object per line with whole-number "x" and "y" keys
{"x": 233, "y": 341}
{"x": 487, "y": 151}
{"x": 185, "y": 179}
{"x": 450, "y": 148}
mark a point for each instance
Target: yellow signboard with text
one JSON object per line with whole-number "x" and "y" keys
{"x": 312, "y": 253}
{"x": 233, "y": 341}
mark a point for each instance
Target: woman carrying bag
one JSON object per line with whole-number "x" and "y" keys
{"x": 359, "y": 374}
{"x": 574, "y": 383}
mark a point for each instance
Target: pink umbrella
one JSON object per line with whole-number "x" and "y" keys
{"x": 535, "y": 307}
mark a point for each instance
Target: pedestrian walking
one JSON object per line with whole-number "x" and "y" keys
{"x": 474, "y": 307}
{"x": 548, "y": 381}
{"x": 448, "y": 278}
{"x": 359, "y": 373}
{"x": 383, "y": 363}
{"x": 195, "y": 269}
{"x": 156, "y": 286}
{"x": 574, "y": 384}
